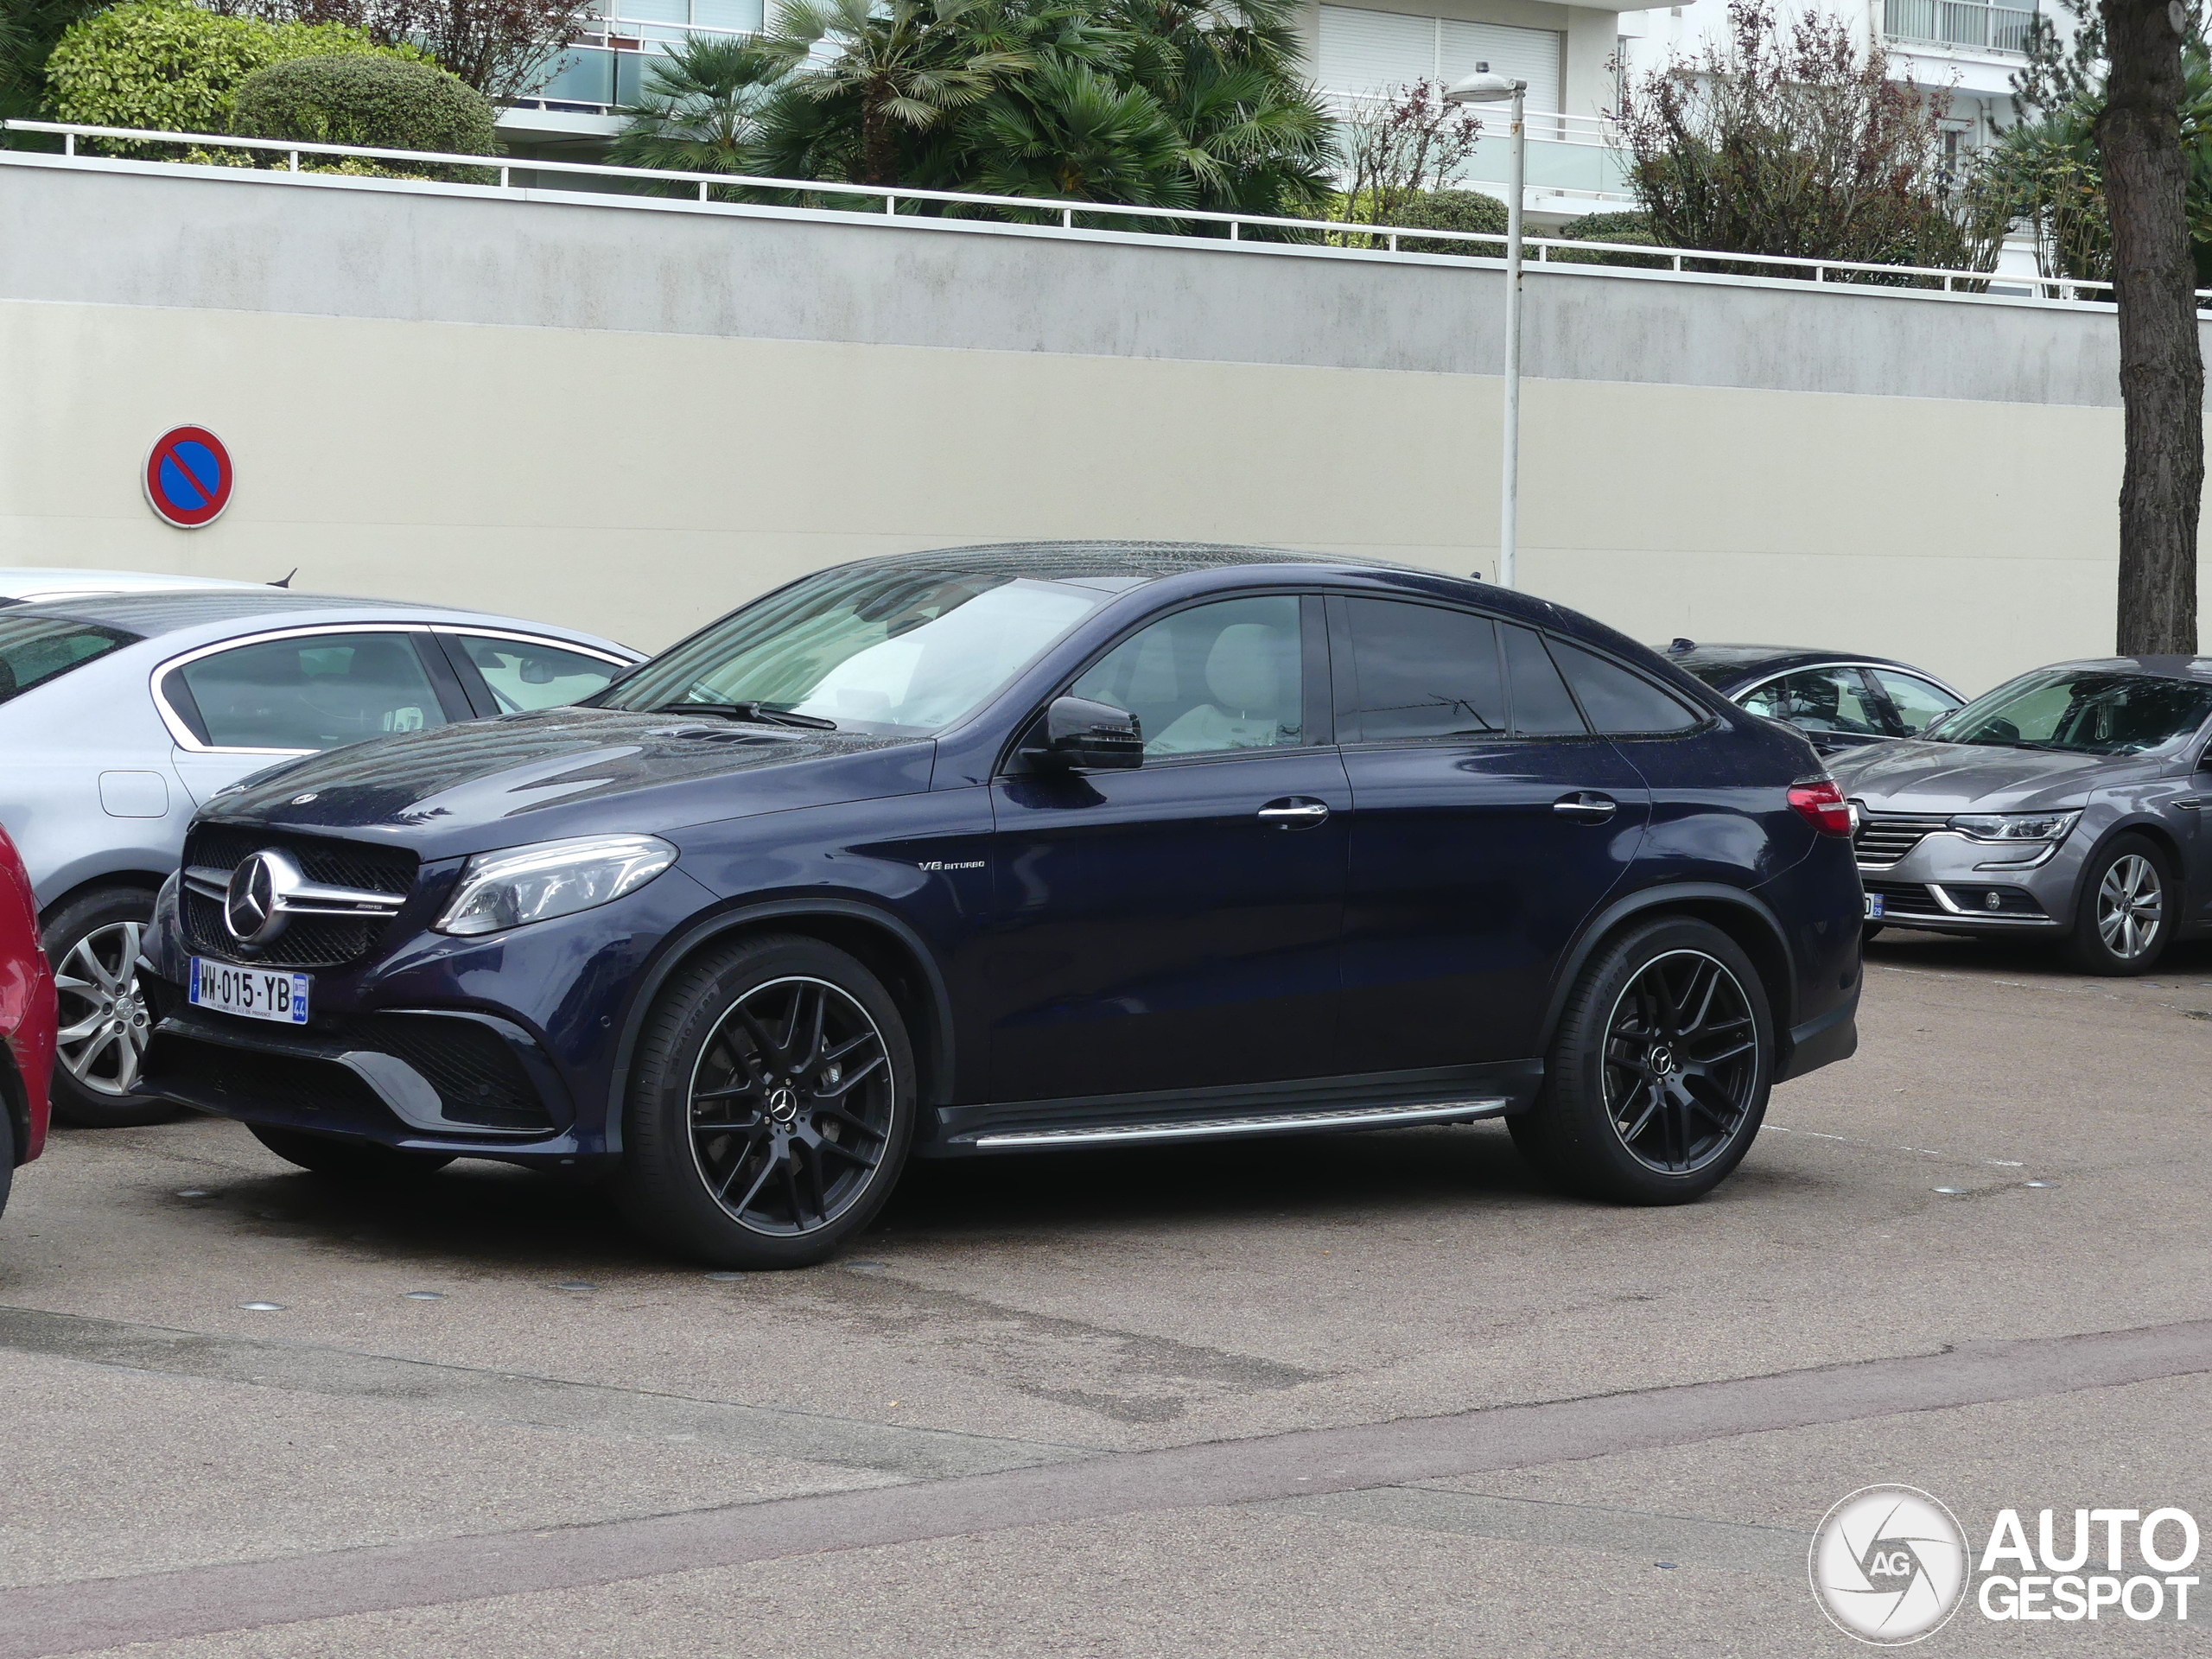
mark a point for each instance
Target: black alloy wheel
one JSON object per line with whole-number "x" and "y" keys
{"x": 773, "y": 1105}
{"x": 2128, "y": 910}
{"x": 1658, "y": 1077}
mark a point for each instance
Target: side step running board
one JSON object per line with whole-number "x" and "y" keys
{"x": 1356, "y": 1117}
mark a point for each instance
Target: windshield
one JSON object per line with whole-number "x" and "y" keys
{"x": 2096, "y": 712}
{"x": 899, "y": 652}
{"x": 37, "y": 649}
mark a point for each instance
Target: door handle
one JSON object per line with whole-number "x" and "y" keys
{"x": 1293, "y": 814}
{"x": 1587, "y": 806}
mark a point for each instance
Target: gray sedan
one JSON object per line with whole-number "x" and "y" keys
{"x": 119, "y": 715}
{"x": 2070, "y": 803}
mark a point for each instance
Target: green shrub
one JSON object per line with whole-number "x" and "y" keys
{"x": 1451, "y": 210}
{"x": 1630, "y": 229}
{"x": 169, "y": 65}
{"x": 380, "y": 101}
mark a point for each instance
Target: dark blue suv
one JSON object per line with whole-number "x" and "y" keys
{"x": 1012, "y": 847}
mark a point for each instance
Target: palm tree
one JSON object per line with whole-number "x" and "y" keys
{"x": 1069, "y": 131}
{"x": 1229, "y": 74}
{"x": 906, "y": 65}
{"x": 701, "y": 108}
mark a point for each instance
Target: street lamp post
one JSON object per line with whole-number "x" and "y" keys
{"x": 1482, "y": 87}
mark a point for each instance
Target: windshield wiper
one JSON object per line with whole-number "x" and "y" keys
{"x": 758, "y": 714}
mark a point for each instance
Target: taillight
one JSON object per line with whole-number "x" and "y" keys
{"x": 1820, "y": 802}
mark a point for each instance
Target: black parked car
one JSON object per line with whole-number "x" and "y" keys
{"x": 1838, "y": 699}
{"x": 1012, "y": 848}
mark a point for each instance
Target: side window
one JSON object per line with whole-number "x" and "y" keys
{"x": 1424, "y": 672}
{"x": 1219, "y": 676}
{"x": 1618, "y": 702}
{"x": 1540, "y": 705}
{"x": 1820, "y": 700}
{"x": 1917, "y": 702}
{"x": 526, "y": 674}
{"x": 318, "y": 692}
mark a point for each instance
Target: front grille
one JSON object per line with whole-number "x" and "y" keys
{"x": 475, "y": 1072}
{"x": 333, "y": 863}
{"x": 307, "y": 941}
{"x": 1904, "y": 901}
{"x": 1885, "y": 837}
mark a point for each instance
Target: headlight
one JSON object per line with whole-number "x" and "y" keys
{"x": 554, "y": 878}
{"x": 2015, "y": 826}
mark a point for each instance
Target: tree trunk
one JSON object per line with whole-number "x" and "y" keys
{"x": 879, "y": 146}
{"x": 2161, "y": 365}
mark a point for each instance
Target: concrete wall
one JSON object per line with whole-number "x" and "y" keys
{"x": 631, "y": 419}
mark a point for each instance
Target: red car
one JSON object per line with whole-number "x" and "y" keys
{"x": 27, "y": 1019}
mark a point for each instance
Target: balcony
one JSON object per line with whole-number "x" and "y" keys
{"x": 1957, "y": 22}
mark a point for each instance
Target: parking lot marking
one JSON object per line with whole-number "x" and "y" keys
{"x": 72, "y": 1618}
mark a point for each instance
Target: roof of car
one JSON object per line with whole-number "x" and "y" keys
{"x": 1144, "y": 560}
{"x": 148, "y": 614}
{"x": 40, "y": 582}
{"x": 1713, "y": 661}
{"x": 2161, "y": 667}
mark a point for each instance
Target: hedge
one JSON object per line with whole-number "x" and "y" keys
{"x": 381, "y": 102}
{"x": 168, "y": 66}
{"x": 1632, "y": 230}
{"x": 1452, "y": 210}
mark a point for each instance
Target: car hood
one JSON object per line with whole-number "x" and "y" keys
{"x": 1928, "y": 776}
{"x": 568, "y": 771}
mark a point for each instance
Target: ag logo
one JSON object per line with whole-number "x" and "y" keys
{"x": 1888, "y": 1565}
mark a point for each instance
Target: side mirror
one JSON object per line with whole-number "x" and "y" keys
{"x": 1935, "y": 725}
{"x": 1079, "y": 735}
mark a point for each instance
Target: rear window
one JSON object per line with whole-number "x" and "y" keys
{"x": 1618, "y": 701}
{"x": 37, "y": 649}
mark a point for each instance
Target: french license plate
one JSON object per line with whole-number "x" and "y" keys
{"x": 1874, "y": 907}
{"x": 255, "y": 993}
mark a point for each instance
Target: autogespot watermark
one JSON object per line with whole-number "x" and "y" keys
{"x": 1891, "y": 1565}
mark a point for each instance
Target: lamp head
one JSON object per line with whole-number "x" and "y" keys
{"x": 1482, "y": 87}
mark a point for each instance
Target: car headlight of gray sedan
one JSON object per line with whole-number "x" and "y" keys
{"x": 506, "y": 889}
{"x": 2014, "y": 828}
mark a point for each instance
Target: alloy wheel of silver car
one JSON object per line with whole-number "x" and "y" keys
{"x": 2131, "y": 906}
{"x": 104, "y": 1021}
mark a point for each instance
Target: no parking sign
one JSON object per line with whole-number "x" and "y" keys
{"x": 188, "y": 477}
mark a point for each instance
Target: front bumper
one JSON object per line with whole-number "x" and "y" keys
{"x": 503, "y": 1047}
{"x": 1948, "y": 884}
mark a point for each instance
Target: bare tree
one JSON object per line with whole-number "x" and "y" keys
{"x": 2161, "y": 360}
{"x": 505, "y": 48}
{"x": 1402, "y": 143}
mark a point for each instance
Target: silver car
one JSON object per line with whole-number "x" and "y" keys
{"x": 120, "y": 715}
{"x": 2070, "y": 803}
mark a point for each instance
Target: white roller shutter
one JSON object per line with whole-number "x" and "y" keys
{"x": 1366, "y": 51}
{"x": 1530, "y": 54}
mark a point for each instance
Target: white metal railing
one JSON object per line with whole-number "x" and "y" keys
{"x": 1863, "y": 276}
{"x": 1957, "y": 22}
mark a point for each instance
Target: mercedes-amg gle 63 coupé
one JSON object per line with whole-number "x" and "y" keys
{"x": 1007, "y": 848}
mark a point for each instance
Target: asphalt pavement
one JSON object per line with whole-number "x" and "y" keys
{"x": 1376, "y": 1393}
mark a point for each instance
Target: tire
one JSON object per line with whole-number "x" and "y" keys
{"x": 2115, "y": 932}
{"x": 93, "y": 942}
{"x": 339, "y": 1159}
{"x": 1698, "y": 1112}
{"x": 7, "y": 1156}
{"x": 770, "y": 1108}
